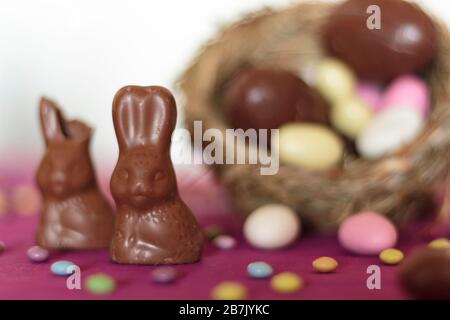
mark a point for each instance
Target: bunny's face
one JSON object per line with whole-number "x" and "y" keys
{"x": 142, "y": 178}
{"x": 65, "y": 171}
{"x": 144, "y": 119}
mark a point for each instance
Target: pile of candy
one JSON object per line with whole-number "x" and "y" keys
{"x": 366, "y": 98}
{"x": 380, "y": 122}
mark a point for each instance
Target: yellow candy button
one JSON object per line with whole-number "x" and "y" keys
{"x": 286, "y": 282}
{"x": 441, "y": 244}
{"x": 325, "y": 264}
{"x": 229, "y": 290}
{"x": 391, "y": 256}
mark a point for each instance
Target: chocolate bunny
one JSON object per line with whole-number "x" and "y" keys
{"x": 75, "y": 215}
{"x": 153, "y": 226}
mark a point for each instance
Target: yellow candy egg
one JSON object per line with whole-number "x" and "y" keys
{"x": 309, "y": 146}
{"x": 286, "y": 282}
{"x": 351, "y": 116}
{"x": 391, "y": 256}
{"x": 440, "y": 244}
{"x": 229, "y": 290}
{"x": 335, "y": 80}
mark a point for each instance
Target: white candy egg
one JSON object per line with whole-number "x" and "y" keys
{"x": 272, "y": 226}
{"x": 389, "y": 130}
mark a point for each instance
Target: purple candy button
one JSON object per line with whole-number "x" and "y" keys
{"x": 164, "y": 275}
{"x": 37, "y": 254}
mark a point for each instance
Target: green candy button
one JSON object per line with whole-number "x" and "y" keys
{"x": 100, "y": 284}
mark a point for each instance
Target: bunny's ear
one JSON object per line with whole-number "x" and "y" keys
{"x": 52, "y": 121}
{"x": 144, "y": 116}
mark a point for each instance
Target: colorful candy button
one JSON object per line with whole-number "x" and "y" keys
{"x": 224, "y": 242}
{"x": 229, "y": 290}
{"x": 38, "y": 254}
{"x": 325, "y": 264}
{"x": 100, "y": 284}
{"x": 440, "y": 243}
{"x": 164, "y": 275}
{"x": 61, "y": 268}
{"x": 287, "y": 282}
{"x": 259, "y": 270}
{"x": 391, "y": 256}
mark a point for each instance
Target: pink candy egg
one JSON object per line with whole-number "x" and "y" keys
{"x": 407, "y": 90}
{"x": 370, "y": 93}
{"x": 367, "y": 233}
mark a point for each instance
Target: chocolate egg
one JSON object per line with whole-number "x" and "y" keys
{"x": 405, "y": 42}
{"x": 426, "y": 274}
{"x": 269, "y": 98}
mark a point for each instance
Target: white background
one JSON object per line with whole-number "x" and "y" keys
{"x": 80, "y": 52}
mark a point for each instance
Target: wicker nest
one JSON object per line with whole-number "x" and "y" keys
{"x": 398, "y": 186}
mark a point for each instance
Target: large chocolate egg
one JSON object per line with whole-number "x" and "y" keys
{"x": 426, "y": 274}
{"x": 406, "y": 41}
{"x": 268, "y": 98}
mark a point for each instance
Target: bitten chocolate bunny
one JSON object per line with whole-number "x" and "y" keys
{"x": 154, "y": 226}
{"x": 75, "y": 215}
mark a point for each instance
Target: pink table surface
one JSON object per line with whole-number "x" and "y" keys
{"x": 19, "y": 278}
{"x": 22, "y": 279}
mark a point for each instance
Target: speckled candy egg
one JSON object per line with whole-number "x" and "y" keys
{"x": 262, "y": 98}
{"x": 367, "y": 233}
{"x": 408, "y": 90}
{"x": 272, "y": 226}
{"x": 389, "y": 130}
{"x": 405, "y": 43}
{"x": 309, "y": 146}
